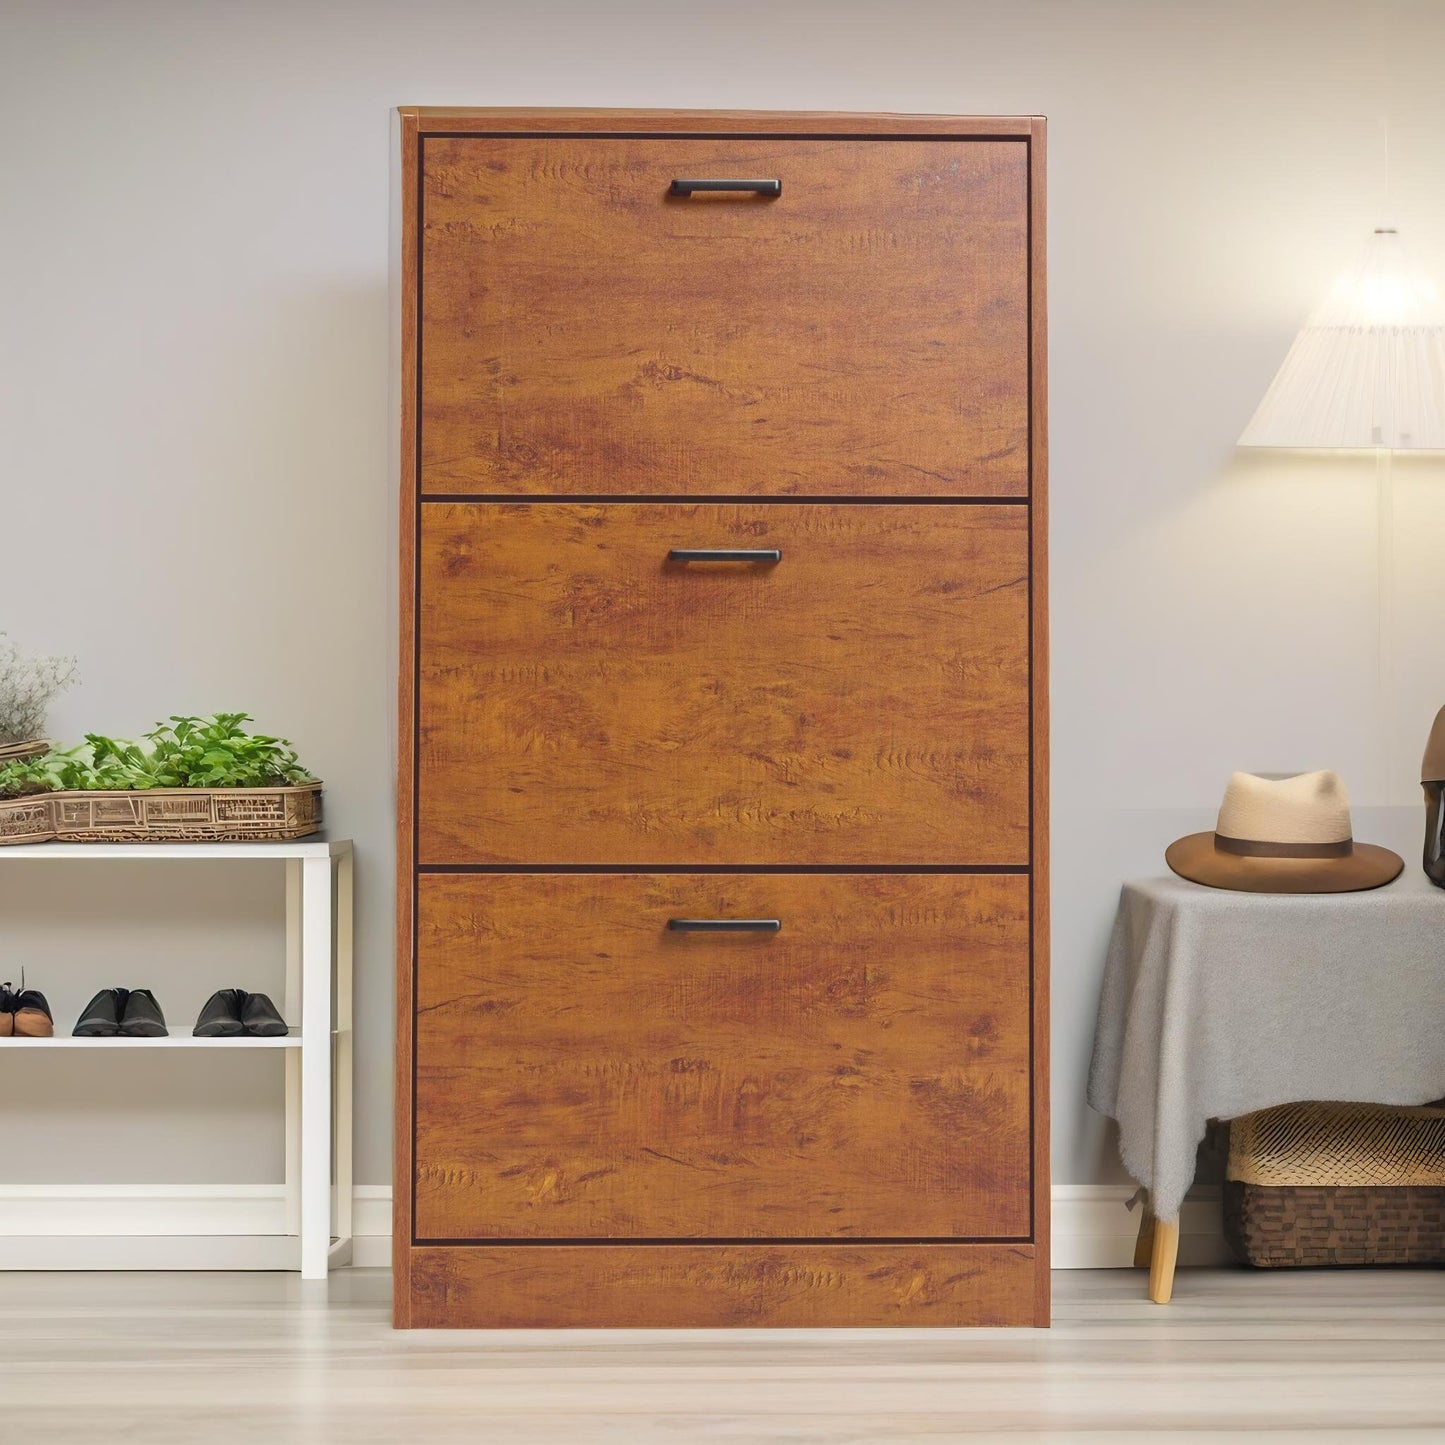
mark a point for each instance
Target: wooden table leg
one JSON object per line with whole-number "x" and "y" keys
{"x": 1162, "y": 1260}
{"x": 1144, "y": 1245}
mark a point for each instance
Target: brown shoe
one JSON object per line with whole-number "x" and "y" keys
{"x": 32, "y": 1015}
{"x": 7, "y": 1011}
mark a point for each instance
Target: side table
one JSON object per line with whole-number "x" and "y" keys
{"x": 315, "y": 1231}
{"x": 1216, "y": 1004}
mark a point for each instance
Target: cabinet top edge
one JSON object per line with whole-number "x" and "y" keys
{"x": 430, "y": 119}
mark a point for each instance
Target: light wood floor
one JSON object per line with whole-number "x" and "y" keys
{"x": 1323, "y": 1357}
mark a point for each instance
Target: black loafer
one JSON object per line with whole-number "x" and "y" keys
{"x": 100, "y": 1018}
{"x": 220, "y": 1016}
{"x": 143, "y": 1018}
{"x": 260, "y": 1018}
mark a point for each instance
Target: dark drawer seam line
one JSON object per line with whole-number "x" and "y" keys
{"x": 700, "y": 498}
{"x": 764, "y": 1242}
{"x": 1005, "y": 869}
{"x": 424, "y": 134}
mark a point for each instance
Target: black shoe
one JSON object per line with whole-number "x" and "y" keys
{"x": 142, "y": 1018}
{"x": 220, "y": 1016}
{"x": 33, "y": 1019}
{"x": 259, "y": 1016}
{"x": 100, "y": 1018}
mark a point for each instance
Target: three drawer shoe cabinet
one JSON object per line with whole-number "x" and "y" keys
{"x": 723, "y": 903}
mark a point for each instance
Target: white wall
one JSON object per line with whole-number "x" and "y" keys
{"x": 194, "y": 413}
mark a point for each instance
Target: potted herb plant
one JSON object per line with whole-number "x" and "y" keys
{"x": 204, "y": 779}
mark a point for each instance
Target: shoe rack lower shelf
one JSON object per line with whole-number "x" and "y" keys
{"x": 174, "y": 1041}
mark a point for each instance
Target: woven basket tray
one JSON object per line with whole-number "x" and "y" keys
{"x": 164, "y": 815}
{"x": 15, "y": 752}
{"x": 1337, "y": 1184}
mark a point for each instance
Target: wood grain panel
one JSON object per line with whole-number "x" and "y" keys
{"x": 865, "y": 333}
{"x": 718, "y": 1286}
{"x": 584, "y": 700}
{"x": 583, "y": 1072}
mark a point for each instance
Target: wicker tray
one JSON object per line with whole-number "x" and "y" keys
{"x": 1336, "y": 1184}
{"x": 14, "y": 752}
{"x": 163, "y": 815}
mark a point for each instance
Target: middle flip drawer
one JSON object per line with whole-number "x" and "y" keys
{"x": 614, "y": 683}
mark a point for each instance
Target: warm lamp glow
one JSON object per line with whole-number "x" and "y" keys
{"x": 1368, "y": 370}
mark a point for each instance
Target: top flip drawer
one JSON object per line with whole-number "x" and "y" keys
{"x": 848, "y": 317}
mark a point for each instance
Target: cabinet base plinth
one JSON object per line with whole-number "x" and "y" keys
{"x": 712, "y": 1286}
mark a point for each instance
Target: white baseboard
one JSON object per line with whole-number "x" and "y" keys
{"x": 170, "y": 1226}
{"x": 371, "y": 1226}
{"x": 242, "y": 1226}
{"x": 81, "y": 1210}
{"x": 1093, "y": 1228}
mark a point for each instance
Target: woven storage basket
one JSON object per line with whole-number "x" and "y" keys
{"x": 164, "y": 815}
{"x": 1336, "y": 1184}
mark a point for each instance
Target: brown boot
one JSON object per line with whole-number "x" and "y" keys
{"x": 32, "y": 1015}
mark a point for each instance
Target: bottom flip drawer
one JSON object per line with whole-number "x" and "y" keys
{"x": 722, "y": 1057}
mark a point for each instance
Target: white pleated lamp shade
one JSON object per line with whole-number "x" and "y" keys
{"x": 1368, "y": 370}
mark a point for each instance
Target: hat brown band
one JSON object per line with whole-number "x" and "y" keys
{"x": 1252, "y": 848}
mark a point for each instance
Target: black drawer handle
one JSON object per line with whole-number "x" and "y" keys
{"x": 762, "y": 188}
{"x": 725, "y": 554}
{"x": 724, "y": 925}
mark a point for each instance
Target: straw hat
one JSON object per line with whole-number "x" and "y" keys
{"x": 1287, "y": 835}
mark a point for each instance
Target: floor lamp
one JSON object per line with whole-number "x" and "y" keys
{"x": 1367, "y": 372}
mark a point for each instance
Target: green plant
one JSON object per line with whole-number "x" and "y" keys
{"x": 186, "y": 752}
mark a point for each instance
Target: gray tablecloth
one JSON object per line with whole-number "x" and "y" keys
{"x": 1216, "y": 1004}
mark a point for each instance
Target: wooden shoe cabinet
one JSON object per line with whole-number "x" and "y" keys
{"x": 722, "y": 940}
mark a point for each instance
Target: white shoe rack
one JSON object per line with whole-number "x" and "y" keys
{"x": 316, "y": 1230}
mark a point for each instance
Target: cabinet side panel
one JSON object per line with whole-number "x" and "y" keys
{"x": 1039, "y": 675}
{"x": 406, "y": 725}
